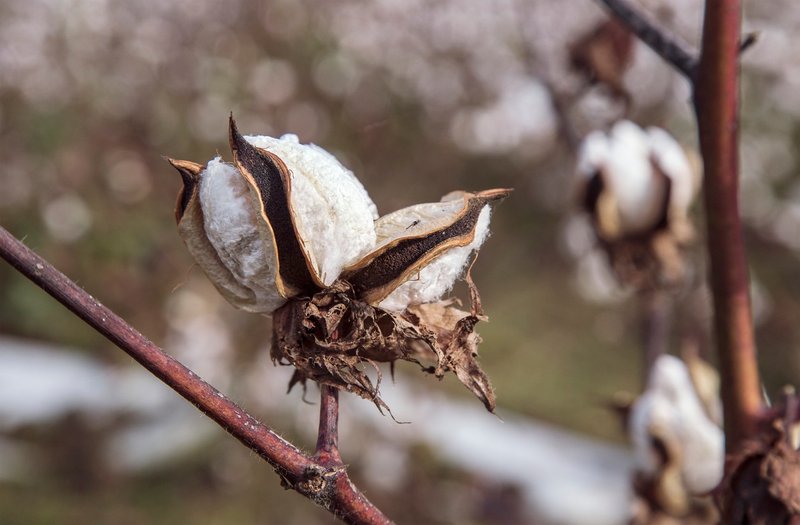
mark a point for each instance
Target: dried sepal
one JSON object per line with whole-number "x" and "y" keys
{"x": 332, "y": 337}
{"x": 270, "y": 180}
{"x": 191, "y": 227}
{"x": 190, "y": 176}
{"x": 456, "y": 346}
{"x": 762, "y": 484}
{"x": 381, "y": 272}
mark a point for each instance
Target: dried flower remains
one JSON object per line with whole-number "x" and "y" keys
{"x": 287, "y": 231}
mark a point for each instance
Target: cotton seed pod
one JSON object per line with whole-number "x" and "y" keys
{"x": 287, "y": 220}
{"x": 671, "y": 412}
{"x": 287, "y": 230}
{"x": 637, "y": 187}
{"x": 632, "y": 180}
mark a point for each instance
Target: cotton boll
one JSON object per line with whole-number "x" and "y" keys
{"x": 671, "y": 159}
{"x": 237, "y": 233}
{"x": 333, "y": 212}
{"x": 671, "y": 410}
{"x": 638, "y": 191}
{"x": 593, "y": 153}
{"x": 438, "y": 277}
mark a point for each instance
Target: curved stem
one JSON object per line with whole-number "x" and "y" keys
{"x": 324, "y": 484}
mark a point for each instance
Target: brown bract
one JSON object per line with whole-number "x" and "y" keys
{"x": 763, "y": 482}
{"x": 333, "y": 334}
{"x": 333, "y": 338}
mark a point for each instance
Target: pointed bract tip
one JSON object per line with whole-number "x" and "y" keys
{"x": 188, "y": 170}
{"x": 190, "y": 175}
{"x": 496, "y": 194}
{"x": 234, "y": 137}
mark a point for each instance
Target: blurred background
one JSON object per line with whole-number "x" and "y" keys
{"x": 417, "y": 98}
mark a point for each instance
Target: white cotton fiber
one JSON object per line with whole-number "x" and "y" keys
{"x": 438, "y": 277}
{"x": 672, "y": 160}
{"x": 333, "y": 212}
{"x": 234, "y": 228}
{"x": 670, "y": 408}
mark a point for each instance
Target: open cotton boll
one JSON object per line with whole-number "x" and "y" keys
{"x": 438, "y": 277}
{"x": 593, "y": 153}
{"x": 671, "y": 410}
{"x": 629, "y": 172}
{"x": 333, "y": 212}
{"x": 672, "y": 160}
{"x": 236, "y": 232}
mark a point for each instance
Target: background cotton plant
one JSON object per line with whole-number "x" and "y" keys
{"x": 288, "y": 231}
{"x": 679, "y": 446}
{"x": 637, "y": 187}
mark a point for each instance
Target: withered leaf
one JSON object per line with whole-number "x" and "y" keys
{"x": 762, "y": 486}
{"x": 604, "y": 55}
{"x": 332, "y": 337}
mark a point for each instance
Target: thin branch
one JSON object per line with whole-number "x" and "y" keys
{"x": 325, "y": 485}
{"x": 717, "y": 107}
{"x": 328, "y": 437}
{"x": 667, "y": 46}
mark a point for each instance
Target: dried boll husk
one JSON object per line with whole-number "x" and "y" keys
{"x": 287, "y": 231}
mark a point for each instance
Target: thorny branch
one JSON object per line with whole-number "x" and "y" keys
{"x": 321, "y": 478}
{"x": 715, "y": 79}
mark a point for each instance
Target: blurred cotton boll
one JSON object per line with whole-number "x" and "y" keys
{"x": 637, "y": 187}
{"x": 678, "y": 449}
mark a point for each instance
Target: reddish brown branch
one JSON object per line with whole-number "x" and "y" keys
{"x": 324, "y": 484}
{"x": 717, "y": 108}
{"x": 669, "y": 47}
{"x": 328, "y": 437}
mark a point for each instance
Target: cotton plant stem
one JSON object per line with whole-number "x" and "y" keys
{"x": 656, "y": 309}
{"x": 325, "y": 485}
{"x": 715, "y": 79}
{"x": 716, "y": 98}
{"x": 667, "y": 46}
{"x": 328, "y": 437}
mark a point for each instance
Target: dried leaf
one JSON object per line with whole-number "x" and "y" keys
{"x": 332, "y": 337}
{"x": 763, "y": 484}
{"x": 604, "y": 55}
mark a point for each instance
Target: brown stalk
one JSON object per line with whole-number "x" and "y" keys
{"x": 667, "y": 46}
{"x": 716, "y": 97}
{"x": 328, "y": 437}
{"x": 319, "y": 479}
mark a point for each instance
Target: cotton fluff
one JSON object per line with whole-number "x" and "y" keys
{"x": 672, "y": 160}
{"x": 625, "y": 159}
{"x": 438, "y": 277}
{"x": 336, "y": 222}
{"x": 240, "y": 239}
{"x": 333, "y": 212}
{"x": 671, "y": 409}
